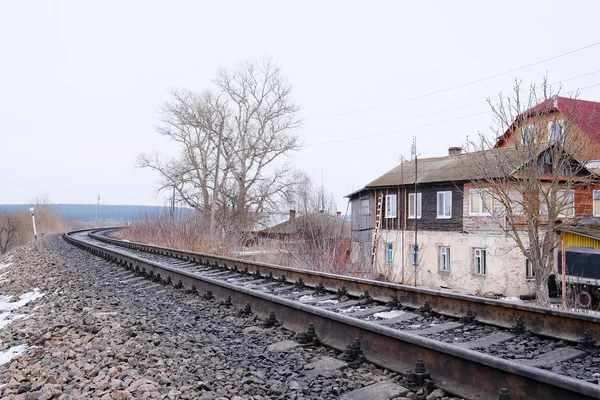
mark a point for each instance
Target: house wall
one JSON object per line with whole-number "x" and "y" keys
{"x": 505, "y": 262}
{"x": 429, "y": 220}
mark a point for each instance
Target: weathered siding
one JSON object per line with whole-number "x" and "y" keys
{"x": 574, "y": 240}
{"x": 429, "y": 220}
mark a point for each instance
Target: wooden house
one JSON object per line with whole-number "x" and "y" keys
{"x": 447, "y": 208}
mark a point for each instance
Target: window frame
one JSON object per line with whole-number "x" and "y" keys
{"x": 551, "y": 124}
{"x": 418, "y": 200}
{"x": 389, "y": 260}
{"x": 529, "y": 268}
{"x": 444, "y": 259}
{"x": 449, "y": 211}
{"x": 362, "y": 206}
{"x": 479, "y": 191}
{"x": 572, "y": 208}
{"x": 481, "y": 255}
{"x": 391, "y": 212}
{"x": 595, "y": 212}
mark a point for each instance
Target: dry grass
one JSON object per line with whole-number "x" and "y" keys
{"x": 181, "y": 231}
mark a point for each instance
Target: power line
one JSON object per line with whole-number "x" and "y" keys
{"x": 425, "y": 125}
{"x": 455, "y": 87}
{"x": 439, "y": 112}
{"x": 400, "y": 130}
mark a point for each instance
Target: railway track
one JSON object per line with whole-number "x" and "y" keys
{"x": 466, "y": 344}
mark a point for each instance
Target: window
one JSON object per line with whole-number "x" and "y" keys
{"x": 391, "y": 206}
{"x": 480, "y": 201}
{"x": 529, "y": 273}
{"x": 528, "y": 134}
{"x": 364, "y": 207}
{"x": 480, "y": 262}
{"x": 412, "y": 206}
{"x": 444, "y": 204}
{"x": 565, "y": 201}
{"x": 596, "y": 200}
{"x": 389, "y": 253}
{"x": 445, "y": 259}
{"x": 555, "y": 130}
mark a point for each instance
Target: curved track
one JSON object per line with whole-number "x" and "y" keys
{"x": 299, "y": 297}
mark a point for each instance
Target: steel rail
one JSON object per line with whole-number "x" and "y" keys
{"x": 469, "y": 373}
{"x": 552, "y": 323}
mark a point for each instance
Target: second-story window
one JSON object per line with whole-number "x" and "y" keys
{"x": 391, "y": 206}
{"x": 444, "y": 204}
{"x": 364, "y": 207}
{"x": 480, "y": 201}
{"x": 555, "y": 130}
{"x": 565, "y": 202}
{"x": 596, "y": 197}
{"x": 529, "y": 272}
{"x": 414, "y": 205}
{"x": 528, "y": 134}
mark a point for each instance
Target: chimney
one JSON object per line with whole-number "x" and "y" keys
{"x": 338, "y": 214}
{"x": 454, "y": 151}
{"x": 292, "y": 215}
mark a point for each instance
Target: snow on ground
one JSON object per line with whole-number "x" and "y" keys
{"x": 388, "y": 314}
{"x": 7, "y": 305}
{"x": 11, "y": 353}
{"x": 8, "y": 317}
{"x": 351, "y": 309}
{"x": 321, "y": 303}
{"x": 306, "y": 297}
{"x": 5, "y": 262}
{"x": 512, "y": 300}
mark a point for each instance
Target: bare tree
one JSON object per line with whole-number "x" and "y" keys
{"x": 9, "y": 226}
{"x": 529, "y": 166}
{"x": 231, "y": 141}
{"x": 304, "y": 196}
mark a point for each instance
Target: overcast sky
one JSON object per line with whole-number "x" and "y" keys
{"x": 81, "y": 82}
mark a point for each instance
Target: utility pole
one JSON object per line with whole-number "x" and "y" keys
{"x": 97, "y": 207}
{"x": 416, "y": 245}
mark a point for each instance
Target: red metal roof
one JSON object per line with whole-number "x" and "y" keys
{"x": 583, "y": 113}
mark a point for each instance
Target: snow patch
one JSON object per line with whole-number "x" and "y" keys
{"x": 388, "y": 314}
{"x": 306, "y": 297}
{"x": 7, "y": 305}
{"x": 11, "y": 353}
{"x": 512, "y": 299}
{"x": 351, "y": 309}
{"x": 7, "y": 317}
{"x": 324, "y": 302}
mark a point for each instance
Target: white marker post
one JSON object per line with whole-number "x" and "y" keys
{"x": 33, "y": 220}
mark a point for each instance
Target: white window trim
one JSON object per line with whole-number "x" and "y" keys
{"x": 482, "y": 213}
{"x": 595, "y": 213}
{"x": 418, "y": 209}
{"x": 437, "y": 208}
{"x": 441, "y": 258}
{"x": 475, "y": 250}
{"x": 391, "y": 212}
{"x": 571, "y": 191}
{"x": 528, "y": 265}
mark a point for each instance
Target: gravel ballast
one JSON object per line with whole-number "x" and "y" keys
{"x": 100, "y": 332}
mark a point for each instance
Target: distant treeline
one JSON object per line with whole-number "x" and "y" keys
{"x": 87, "y": 212}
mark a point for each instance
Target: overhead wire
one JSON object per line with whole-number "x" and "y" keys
{"x": 456, "y": 86}
{"x": 435, "y": 112}
{"x": 426, "y": 125}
